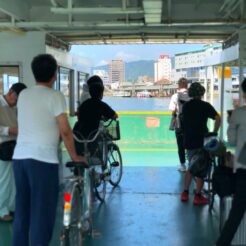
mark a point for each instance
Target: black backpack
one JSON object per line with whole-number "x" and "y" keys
{"x": 223, "y": 181}
{"x": 182, "y": 99}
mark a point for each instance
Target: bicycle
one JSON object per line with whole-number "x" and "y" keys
{"x": 88, "y": 181}
{"x": 216, "y": 158}
{"x": 108, "y": 153}
{"x": 112, "y": 155}
{"x": 77, "y": 208}
{"x": 78, "y": 197}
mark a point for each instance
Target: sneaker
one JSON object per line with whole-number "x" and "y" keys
{"x": 184, "y": 196}
{"x": 182, "y": 168}
{"x": 6, "y": 218}
{"x": 200, "y": 200}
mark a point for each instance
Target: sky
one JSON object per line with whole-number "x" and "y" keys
{"x": 98, "y": 55}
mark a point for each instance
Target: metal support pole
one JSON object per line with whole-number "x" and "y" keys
{"x": 212, "y": 87}
{"x": 222, "y": 100}
{"x": 211, "y": 93}
{"x": 206, "y": 85}
{"x": 241, "y": 77}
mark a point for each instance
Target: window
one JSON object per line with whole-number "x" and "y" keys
{"x": 82, "y": 77}
{"x": 66, "y": 86}
{"x": 8, "y": 76}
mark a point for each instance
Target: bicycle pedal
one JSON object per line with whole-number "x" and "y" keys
{"x": 106, "y": 177}
{"x": 115, "y": 164}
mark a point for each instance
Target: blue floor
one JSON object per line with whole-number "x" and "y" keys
{"x": 145, "y": 210}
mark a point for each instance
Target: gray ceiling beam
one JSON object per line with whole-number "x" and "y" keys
{"x": 147, "y": 37}
{"x": 119, "y": 24}
{"x": 169, "y": 10}
{"x": 242, "y": 9}
{"x": 226, "y": 2}
{"x": 102, "y": 10}
{"x": 15, "y": 8}
{"x": 197, "y": 4}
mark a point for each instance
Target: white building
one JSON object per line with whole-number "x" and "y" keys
{"x": 162, "y": 68}
{"x": 103, "y": 74}
{"x": 191, "y": 64}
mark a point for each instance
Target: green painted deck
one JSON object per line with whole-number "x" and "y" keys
{"x": 146, "y": 139}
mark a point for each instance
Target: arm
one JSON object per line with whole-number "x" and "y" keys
{"x": 67, "y": 137}
{"x": 217, "y": 123}
{"x": 8, "y": 131}
{"x": 173, "y": 104}
{"x": 13, "y": 131}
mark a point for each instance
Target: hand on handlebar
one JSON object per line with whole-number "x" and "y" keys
{"x": 79, "y": 158}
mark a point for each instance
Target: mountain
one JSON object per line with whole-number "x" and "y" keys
{"x": 135, "y": 69}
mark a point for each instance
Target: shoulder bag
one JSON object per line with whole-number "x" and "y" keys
{"x": 7, "y": 150}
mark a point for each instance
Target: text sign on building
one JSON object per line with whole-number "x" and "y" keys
{"x": 164, "y": 56}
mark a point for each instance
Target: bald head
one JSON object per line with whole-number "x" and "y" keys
{"x": 183, "y": 83}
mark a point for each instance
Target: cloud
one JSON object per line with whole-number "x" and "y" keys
{"x": 126, "y": 56}
{"x": 102, "y": 63}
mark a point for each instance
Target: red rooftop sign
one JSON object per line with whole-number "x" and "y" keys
{"x": 164, "y": 56}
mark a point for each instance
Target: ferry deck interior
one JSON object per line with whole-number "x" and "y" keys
{"x": 145, "y": 209}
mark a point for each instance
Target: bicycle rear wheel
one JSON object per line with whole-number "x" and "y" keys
{"x": 114, "y": 163}
{"x": 87, "y": 204}
{"x": 73, "y": 234}
{"x": 99, "y": 183}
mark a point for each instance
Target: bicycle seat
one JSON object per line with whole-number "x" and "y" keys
{"x": 76, "y": 164}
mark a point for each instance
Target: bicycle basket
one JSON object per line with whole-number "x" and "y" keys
{"x": 114, "y": 130}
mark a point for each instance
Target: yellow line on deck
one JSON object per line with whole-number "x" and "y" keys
{"x": 148, "y": 149}
{"x": 143, "y": 112}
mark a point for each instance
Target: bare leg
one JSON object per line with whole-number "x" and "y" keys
{"x": 199, "y": 185}
{"x": 188, "y": 179}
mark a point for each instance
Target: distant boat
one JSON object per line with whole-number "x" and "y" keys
{"x": 144, "y": 94}
{"x": 233, "y": 90}
{"x": 121, "y": 94}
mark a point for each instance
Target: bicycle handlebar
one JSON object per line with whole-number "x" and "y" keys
{"x": 77, "y": 164}
{"x": 90, "y": 140}
{"x": 100, "y": 130}
{"x": 211, "y": 134}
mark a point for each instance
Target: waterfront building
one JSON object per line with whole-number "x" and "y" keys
{"x": 116, "y": 72}
{"x": 103, "y": 74}
{"x": 191, "y": 64}
{"x": 162, "y": 68}
{"x": 144, "y": 80}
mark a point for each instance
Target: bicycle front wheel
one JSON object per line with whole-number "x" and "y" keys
{"x": 99, "y": 183}
{"x": 73, "y": 234}
{"x": 114, "y": 163}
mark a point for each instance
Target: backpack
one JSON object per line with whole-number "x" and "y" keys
{"x": 200, "y": 163}
{"x": 223, "y": 181}
{"x": 182, "y": 98}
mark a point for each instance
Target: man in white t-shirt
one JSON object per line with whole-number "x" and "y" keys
{"x": 42, "y": 120}
{"x": 176, "y": 104}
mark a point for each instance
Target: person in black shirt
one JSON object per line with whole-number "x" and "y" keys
{"x": 195, "y": 115}
{"x": 91, "y": 111}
